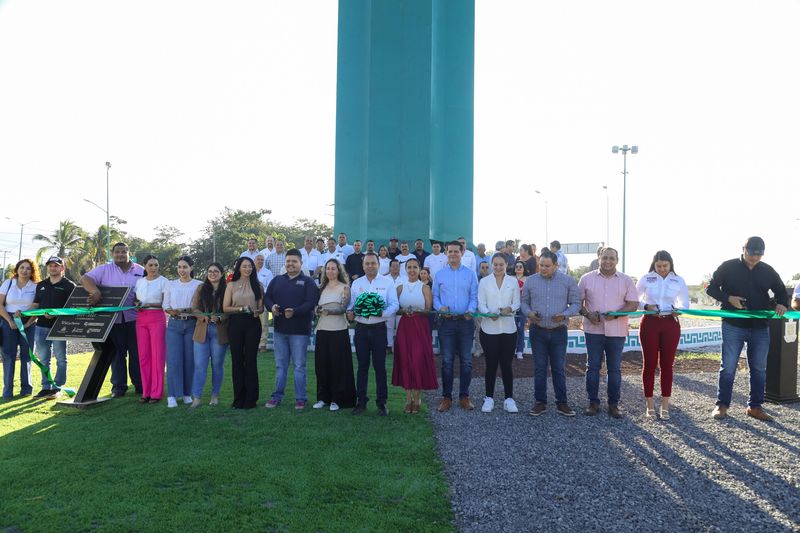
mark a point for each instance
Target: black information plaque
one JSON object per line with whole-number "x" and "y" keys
{"x": 94, "y": 327}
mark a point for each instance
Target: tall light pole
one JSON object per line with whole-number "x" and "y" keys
{"x": 608, "y": 233}
{"x": 108, "y": 212}
{"x": 5, "y": 254}
{"x": 108, "y": 228}
{"x": 21, "y": 227}
{"x": 546, "y": 217}
{"x": 633, "y": 150}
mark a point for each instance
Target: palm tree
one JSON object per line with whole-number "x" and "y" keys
{"x": 62, "y": 241}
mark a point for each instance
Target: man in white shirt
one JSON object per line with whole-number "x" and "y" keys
{"x": 310, "y": 257}
{"x": 370, "y": 335}
{"x": 344, "y": 248}
{"x": 404, "y": 256}
{"x": 371, "y": 247}
{"x": 331, "y": 253}
{"x": 395, "y": 275}
{"x": 277, "y": 259}
{"x": 251, "y": 251}
{"x": 264, "y": 277}
{"x": 269, "y": 241}
{"x": 563, "y": 265}
{"x": 468, "y": 259}
{"x": 436, "y": 260}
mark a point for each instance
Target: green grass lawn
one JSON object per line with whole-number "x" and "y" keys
{"x": 122, "y": 466}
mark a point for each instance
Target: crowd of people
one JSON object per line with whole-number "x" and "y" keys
{"x": 480, "y": 303}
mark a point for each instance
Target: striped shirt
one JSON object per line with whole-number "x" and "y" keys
{"x": 557, "y": 295}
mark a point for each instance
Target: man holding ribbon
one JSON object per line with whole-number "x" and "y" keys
{"x": 373, "y": 301}
{"x": 744, "y": 284}
{"x": 455, "y": 296}
{"x": 122, "y": 339}
{"x": 51, "y": 293}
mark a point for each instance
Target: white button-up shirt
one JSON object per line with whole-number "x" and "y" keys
{"x": 382, "y": 285}
{"x": 667, "y": 293}
{"x": 435, "y": 263}
{"x": 491, "y": 299}
{"x": 468, "y": 260}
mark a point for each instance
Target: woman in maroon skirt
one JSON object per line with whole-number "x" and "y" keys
{"x": 414, "y": 367}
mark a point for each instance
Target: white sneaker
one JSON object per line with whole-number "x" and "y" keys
{"x": 172, "y": 402}
{"x": 488, "y": 405}
{"x": 187, "y": 399}
{"x": 519, "y": 355}
{"x": 319, "y": 405}
{"x": 510, "y": 406}
{"x": 334, "y": 406}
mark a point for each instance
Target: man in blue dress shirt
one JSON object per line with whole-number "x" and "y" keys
{"x": 455, "y": 291}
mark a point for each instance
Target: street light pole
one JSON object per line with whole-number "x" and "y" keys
{"x": 546, "y": 219}
{"x": 108, "y": 213}
{"x": 21, "y": 228}
{"x": 633, "y": 150}
{"x": 608, "y": 233}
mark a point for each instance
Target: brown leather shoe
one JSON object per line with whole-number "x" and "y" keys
{"x": 592, "y": 410}
{"x": 719, "y": 412}
{"x": 614, "y": 412}
{"x": 759, "y": 414}
{"x": 445, "y": 405}
{"x": 466, "y": 404}
{"x": 564, "y": 409}
{"x": 538, "y": 409}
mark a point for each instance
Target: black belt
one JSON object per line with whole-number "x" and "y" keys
{"x": 376, "y": 325}
{"x": 183, "y": 318}
{"x": 549, "y": 329}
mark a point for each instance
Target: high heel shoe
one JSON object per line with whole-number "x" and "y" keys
{"x": 409, "y": 407}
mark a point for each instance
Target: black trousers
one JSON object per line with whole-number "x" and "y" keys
{"x": 371, "y": 344}
{"x": 333, "y": 364}
{"x": 244, "y": 332}
{"x": 499, "y": 349}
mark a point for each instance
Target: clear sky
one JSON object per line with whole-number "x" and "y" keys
{"x": 200, "y": 104}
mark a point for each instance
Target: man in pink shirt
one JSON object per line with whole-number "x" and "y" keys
{"x": 602, "y": 291}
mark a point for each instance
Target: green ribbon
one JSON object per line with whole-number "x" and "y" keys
{"x": 45, "y": 370}
{"x": 717, "y": 313}
{"x": 74, "y": 311}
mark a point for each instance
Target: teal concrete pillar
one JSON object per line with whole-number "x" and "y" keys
{"x": 404, "y": 119}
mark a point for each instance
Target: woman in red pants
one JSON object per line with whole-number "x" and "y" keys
{"x": 663, "y": 291}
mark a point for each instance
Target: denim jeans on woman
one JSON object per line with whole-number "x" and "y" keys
{"x": 180, "y": 357}
{"x": 14, "y": 341}
{"x": 210, "y": 349}
{"x": 44, "y": 349}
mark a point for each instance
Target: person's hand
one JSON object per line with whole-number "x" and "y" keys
{"x": 505, "y": 311}
{"x": 737, "y": 301}
{"x": 257, "y": 313}
{"x": 594, "y": 318}
{"x": 48, "y": 316}
{"x": 13, "y": 325}
{"x": 609, "y": 317}
{"x": 780, "y": 309}
{"x": 323, "y": 312}
{"x": 276, "y": 310}
{"x": 17, "y": 314}
{"x": 350, "y": 316}
{"x": 468, "y": 316}
{"x": 94, "y": 298}
{"x": 558, "y": 318}
{"x": 288, "y": 312}
{"x": 444, "y": 309}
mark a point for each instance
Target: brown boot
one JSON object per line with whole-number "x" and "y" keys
{"x": 592, "y": 410}
{"x": 614, "y": 411}
{"x": 759, "y": 414}
{"x": 719, "y": 412}
{"x": 445, "y": 405}
{"x": 466, "y": 404}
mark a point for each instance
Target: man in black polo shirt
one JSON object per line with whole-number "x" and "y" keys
{"x": 419, "y": 251}
{"x": 51, "y": 293}
{"x": 354, "y": 264}
{"x": 744, "y": 283}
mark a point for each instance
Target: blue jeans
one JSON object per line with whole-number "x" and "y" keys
{"x": 13, "y": 339}
{"x": 180, "y": 357}
{"x": 43, "y": 350}
{"x": 596, "y": 346}
{"x": 549, "y": 347}
{"x": 294, "y": 348}
{"x": 519, "y": 320}
{"x": 733, "y": 339}
{"x": 456, "y": 336}
{"x": 211, "y": 349}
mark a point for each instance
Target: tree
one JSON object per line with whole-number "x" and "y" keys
{"x": 167, "y": 246}
{"x": 225, "y": 236}
{"x": 578, "y": 272}
{"x": 62, "y": 242}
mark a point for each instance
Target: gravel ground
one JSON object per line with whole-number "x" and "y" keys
{"x": 691, "y": 473}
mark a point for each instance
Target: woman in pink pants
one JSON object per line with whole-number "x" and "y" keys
{"x": 151, "y": 327}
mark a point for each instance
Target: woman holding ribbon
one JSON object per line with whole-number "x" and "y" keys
{"x": 414, "y": 368}
{"x": 499, "y": 294}
{"x": 180, "y": 330}
{"x": 521, "y": 272}
{"x": 17, "y": 295}
{"x": 210, "y": 334}
{"x": 333, "y": 358}
{"x": 662, "y": 292}
{"x": 245, "y": 299}
{"x": 150, "y": 330}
